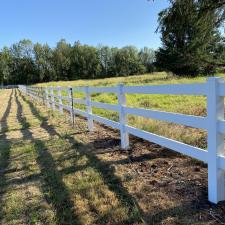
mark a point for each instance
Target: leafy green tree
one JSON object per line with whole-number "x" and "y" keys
{"x": 190, "y": 33}
{"x": 61, "y": 60}
{"x": 112, "y": 68}
{"x": 127, "y": 61}
{"x": 147, "y": 57}
{"x": 43, "y": 56}
{"x": 23, "y": 68}
{"x": 85, "y": 62}
{"x": 5, "y": 66}
{"x": 105, "y": 58}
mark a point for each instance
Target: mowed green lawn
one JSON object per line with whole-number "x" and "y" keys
{"x": 192, "y": 105}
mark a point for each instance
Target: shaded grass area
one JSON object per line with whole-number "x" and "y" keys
{"x": 48, "y": 176}
{"x": 191, "y": 105}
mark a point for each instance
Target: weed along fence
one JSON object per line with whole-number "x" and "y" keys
{"x": 213, "y": 123}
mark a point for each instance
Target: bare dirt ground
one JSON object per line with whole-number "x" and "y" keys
{"x": 52, "y": 173}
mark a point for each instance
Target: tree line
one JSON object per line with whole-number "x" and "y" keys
{"x": 28, "y": 63}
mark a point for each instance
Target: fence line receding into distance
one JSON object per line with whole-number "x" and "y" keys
{"x": 213, "y": 123}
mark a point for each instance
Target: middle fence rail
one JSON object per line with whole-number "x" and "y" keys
{"x": 213, "y": 123}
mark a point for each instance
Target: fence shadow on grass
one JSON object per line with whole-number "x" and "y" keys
{"x": 27, "y": 134}
{"x": 48, "y": 168}
{"x": 52, "y": 183}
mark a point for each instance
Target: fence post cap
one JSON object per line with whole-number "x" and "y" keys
{"x": 213, "y": 79}
{"x": 120, "y": 87}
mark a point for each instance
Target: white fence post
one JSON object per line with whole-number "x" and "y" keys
{"x": 30, "y": 94}
{"x": 70, "y": 103}
{"x": 89, "y": 109}
{"x": 60, "y": 100}
{"x": 122, "y": 117}
{"x": 47, "y": 97}
{"x": 52, "y": 98}
{"x": 215, "y": 112}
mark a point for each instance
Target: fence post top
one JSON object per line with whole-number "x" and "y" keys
{"x": 215, "y": 79}
{"x": 121, "y": 86}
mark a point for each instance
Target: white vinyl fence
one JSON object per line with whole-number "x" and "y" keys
{"x": 214, "y": 123}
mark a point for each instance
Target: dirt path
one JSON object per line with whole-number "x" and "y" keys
{"x": 51, "y": 173}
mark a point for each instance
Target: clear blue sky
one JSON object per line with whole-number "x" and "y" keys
{"x": 110, "y": 22}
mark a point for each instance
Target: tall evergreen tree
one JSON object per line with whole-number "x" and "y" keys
{"x": 190, "y": 34}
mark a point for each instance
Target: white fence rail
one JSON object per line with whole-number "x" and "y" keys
{"x": 213, "y": 123}
{"x": 8, "y": 86}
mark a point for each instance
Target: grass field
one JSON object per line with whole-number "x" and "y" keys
{"x": 193, "y": 105}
